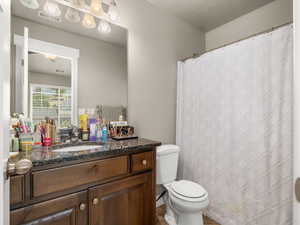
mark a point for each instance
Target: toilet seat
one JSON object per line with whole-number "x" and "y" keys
{"x": 188, "y": 191}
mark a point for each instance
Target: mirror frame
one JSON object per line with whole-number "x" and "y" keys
{"x": 72, "y": 54}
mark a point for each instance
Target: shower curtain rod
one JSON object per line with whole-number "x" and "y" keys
{"x": 196, "y": 55}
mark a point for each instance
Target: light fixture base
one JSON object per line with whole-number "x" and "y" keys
{"x": 44, "y": 15}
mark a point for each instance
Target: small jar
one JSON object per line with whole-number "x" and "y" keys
{"x": 26, "y": 146}
{"x": 47, "y": 141}
{"x": 85, "y": 135}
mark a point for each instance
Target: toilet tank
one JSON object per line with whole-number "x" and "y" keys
{"x": 166, "y": 163}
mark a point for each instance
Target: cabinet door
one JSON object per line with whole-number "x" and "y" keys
{"x": 67, "y": 210}
{"x": 125, "y": 202}
{"x": 17, "y": 189}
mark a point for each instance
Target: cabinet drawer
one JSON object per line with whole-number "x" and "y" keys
{"x": 60, "y": 179}
{"x": 142, "y": 161}
{"x": 16, "y": 189}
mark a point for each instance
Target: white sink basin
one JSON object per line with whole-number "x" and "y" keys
{"x": 78, "y": 148}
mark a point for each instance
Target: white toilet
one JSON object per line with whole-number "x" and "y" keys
{"x": 184, "y": 200}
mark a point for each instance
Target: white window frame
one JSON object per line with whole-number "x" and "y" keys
{"x": 60, "y": 51}
{"x": 33, "y": 85}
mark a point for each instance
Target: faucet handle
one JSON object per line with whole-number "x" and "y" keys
{"x": 75, "y": 130}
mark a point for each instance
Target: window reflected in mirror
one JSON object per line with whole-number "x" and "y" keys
{"x": 50, "y": 89}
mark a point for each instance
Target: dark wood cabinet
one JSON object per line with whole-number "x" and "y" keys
{"x": 17, "y": 189}
{"x": 112, "y": 191}
{"x": 124, "y": 202}
{"x": 67, "y": 210}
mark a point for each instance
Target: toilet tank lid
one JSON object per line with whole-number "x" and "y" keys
{"x": 167, "y": 149}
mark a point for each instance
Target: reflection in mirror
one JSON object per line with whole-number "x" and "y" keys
{"x": 49, "y": 66}
{"x": 96, "y": 77}
{"x": 49, "y": 79}
{"x": 77, "y": 74}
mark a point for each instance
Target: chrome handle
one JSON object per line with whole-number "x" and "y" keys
{"x": 297, "y": 189}
{"x": 144, "y": 162}
{"x": 95, "y": 201}
{"x": 82, "y": 207}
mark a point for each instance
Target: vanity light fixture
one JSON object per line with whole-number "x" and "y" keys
{"x": 88, "y": 21}
{"x": 104, "y": 27}
{"x": 31, "y": 4}
{"x": 96, "y": 7}
{"x": 52, "y": 9}
{"x": 113, "y": 11}
{"x": 72, "y": 15}
{"x": 105, "y": 11}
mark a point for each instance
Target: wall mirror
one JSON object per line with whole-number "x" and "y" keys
{"x": 66, "y": 66}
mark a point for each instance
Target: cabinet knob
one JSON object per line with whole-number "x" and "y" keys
{"x": 95, "y": 201}
{"x": 144, "y": 162}
{"x": 82, "y": 207}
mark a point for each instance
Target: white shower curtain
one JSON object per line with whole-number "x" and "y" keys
{"x": 234, "y": 115}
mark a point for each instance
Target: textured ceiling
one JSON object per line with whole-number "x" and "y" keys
{"x": 209, "y": 14}
{"x": 117, "y": 36}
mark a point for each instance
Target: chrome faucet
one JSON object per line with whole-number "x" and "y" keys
{"x": 75, "y": 134}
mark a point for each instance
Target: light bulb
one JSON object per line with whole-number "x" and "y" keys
{"x": 113, "y": 13}
{"x": 32, "y": 4}
{"x": 96, "y": 7}
{"x": 104, "y": 27}
{"x": 52, "y": 9}
{"x": 72, "y": 15}
{"x": 88, "y": 21}
{"x": 50, "y": 57}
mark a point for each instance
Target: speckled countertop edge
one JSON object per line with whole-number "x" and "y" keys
{"x": 46, "y": 156}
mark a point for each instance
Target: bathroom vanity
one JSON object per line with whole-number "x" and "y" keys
{"x": 112, "y": 185}
{"x": 62, "y": 75}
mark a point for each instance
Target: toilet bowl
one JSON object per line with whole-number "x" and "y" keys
{"x": 185, "y": 199}
{"x": 184, "y": 203}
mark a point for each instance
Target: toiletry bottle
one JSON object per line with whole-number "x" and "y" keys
{"x": 15, "y": 144}
{"x": 37, "y": 136}
{"x": 11, "y": 143}
{"x": 92, "y": 125}
{"x": 53, "y": 132}
{"x": 83, "y": 125}
{"x": 48, "y": 130}
{"x": 83, "y": 119}
{"x": 85, "y": 135}
{"x": 104, "y": 133}
{"x": 99, "y": 130}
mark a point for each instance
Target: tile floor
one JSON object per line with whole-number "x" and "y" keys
{"x": 160, "y": 218}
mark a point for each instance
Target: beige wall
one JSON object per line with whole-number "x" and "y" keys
{"x": 156, "y": 41}
{"x": 102, "y": 66}
{"x": 274, "y": 14}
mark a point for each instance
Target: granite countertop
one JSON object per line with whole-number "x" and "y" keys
{"x": 47, "y": 157}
